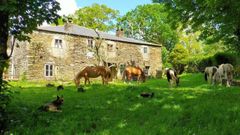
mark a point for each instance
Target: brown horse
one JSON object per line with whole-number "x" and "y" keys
{"x": 131, "y": 71}
{"x": 93, "y": 72}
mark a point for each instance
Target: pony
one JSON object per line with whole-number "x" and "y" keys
{"x": 216, "y": 79}
{"x": 226, "y": 73}
{"x": 172, "y": 76}
{"x": 93, "y": 72}
{"x": 209, "y": 73}
{"x": 131, "y": 71}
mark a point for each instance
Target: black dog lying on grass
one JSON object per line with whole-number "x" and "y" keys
{"x": 60, "y": 87}
{"x": 54, "y": 106}
{"x": 147, "y": 95}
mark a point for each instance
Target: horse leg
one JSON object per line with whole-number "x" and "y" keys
{"x": 103, "y": 80}
{"x": 138, "y": 79}
{"x": 210, "y": 78}
{"x": 88, "y": 80}
{"x": 85, "y": 81}
{"x": 129, "y": 78}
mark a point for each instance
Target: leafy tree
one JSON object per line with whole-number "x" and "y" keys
{"x": 19, "y": 18}
{"x": 96, "y": 16}
{"x": 149, "y": 23}
{"x": 218, "y": 20}
{"x": 178, "y": 57}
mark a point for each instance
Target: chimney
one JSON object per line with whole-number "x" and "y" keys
{"x": 120, "y": 33}
{"x": 67, "y": 23}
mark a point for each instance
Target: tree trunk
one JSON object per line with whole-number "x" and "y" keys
{"x": 3, "y": 44}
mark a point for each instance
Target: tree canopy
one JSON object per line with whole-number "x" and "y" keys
{"x": 218, "y": 20}
{"x": 149, "y": 23}
{"x": 96, "y": 16}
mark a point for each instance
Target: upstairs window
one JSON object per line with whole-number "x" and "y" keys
{"x": 48, "y": 70}
{"x": 58, "y": 43}
{"x": 90, "y": 43}
{"x": 110, "y": 47}
{"x": 145, "y": 50}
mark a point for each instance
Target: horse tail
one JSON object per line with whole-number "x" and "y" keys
{"x": 205, "y": 76}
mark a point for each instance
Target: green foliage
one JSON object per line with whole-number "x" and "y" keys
{"x": 96, "y": 16}
{"x": 217, "y": 20}
{"x": 149, "y": 23}
{"x": 26, "y": 16}
{"x": 165, "y": 55}
{"x": 196, "y": 64}
{"x": 19, "y": 18}
{"x": 117, "y": 108}
{"x": 179, "y": 57}
{"x": 5, "y": 95}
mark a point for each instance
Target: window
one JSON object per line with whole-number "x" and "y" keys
{"x": 145, "y": 49}
{"x": 90, "y": 43}
{"x": 58, "y": 43}
{"x": 146, "y": 70}
{"x": 110, "y": 47}
{"x": 48, "y": 70}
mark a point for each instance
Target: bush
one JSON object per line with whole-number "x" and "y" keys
{"x": 178, "y": 58}
{"x": 221, "y": 58}
{"x": 198, "y": 63}
{"x": 4, "y": 100}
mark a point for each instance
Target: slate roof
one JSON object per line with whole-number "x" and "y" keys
{"x": 82, "y": 31}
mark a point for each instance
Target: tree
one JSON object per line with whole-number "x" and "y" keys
{"x": 217, "y": 20}
{"x": 19, "y": 18}
{"x": 96, "y": 16}
{"x": 149, "y": 23}
{"x": 178, "y": 58}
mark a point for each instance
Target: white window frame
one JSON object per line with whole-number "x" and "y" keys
{"x": 48, "y": 70}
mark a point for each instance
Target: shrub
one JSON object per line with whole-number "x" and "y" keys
{"x": 222, "y": 57}
{"x": 178, "y": 58}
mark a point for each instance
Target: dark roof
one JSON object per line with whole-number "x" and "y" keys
{"x": 82, "y": 31}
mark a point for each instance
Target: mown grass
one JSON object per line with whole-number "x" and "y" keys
{"x": 194, "y": 108}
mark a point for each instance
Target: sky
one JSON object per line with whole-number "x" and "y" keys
{"x": 69, "y": 6}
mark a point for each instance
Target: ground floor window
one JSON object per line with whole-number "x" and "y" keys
{"x": 146, "y": 70}
{"x": 48, "y": 70}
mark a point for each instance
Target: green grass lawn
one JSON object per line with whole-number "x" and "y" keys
{"x": 194, "y": 108}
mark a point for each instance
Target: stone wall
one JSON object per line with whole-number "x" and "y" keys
{"x": 74, "y": 54}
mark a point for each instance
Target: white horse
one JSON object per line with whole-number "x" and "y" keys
{"x": 217, "y": 79}
{"x": 226, "y": 72}
{"x": 209, "y": 73}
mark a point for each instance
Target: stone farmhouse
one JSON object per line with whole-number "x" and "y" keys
{"x": 60, "y": 52}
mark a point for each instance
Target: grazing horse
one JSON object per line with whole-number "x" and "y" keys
{"x": 226, "y": 73}
{"x": 209, "y": 73}
{"x": 216, "y": 79}
{"x": 172, "y": 76}
{"x": 131, "y": 71}
{"x": 93, "y": 72}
